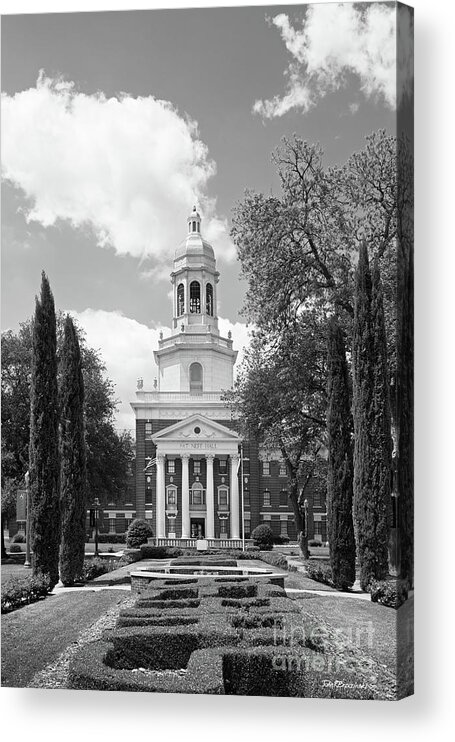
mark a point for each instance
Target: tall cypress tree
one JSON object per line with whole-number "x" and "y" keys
{"x": 72, "y": 458}
{"x": 372, "y": 432}
{"x": 340, "y": 463}
{"x": 44, "y": 454}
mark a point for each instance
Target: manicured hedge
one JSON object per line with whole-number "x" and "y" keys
{"x": 263, "y": 536}
{"x": 274, "y": 558}
{"x": 159, "y": 552}
{"x": 320, "y": 571}
{"x": 215, "y": 561}
{"x": 19, "y": 591}
{"x": 237, "y": 639}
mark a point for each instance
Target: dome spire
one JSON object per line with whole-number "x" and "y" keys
{"x": 194, "y": 221}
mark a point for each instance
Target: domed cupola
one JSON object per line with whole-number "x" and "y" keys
{"x": 193, "y": 247}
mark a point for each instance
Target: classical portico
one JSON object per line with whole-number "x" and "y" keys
{"x": 206, "y": 507}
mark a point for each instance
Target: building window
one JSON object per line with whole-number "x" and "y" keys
{"x": 283, "y": 528}
{"x": 194, "y": 226}
{"x": 180, "y": 299}
{"x": 283, "y": 499}
{"x": 197, "y": 494}
{"x": 171, "y": 496}
{"x": 317, "y": 498}
{"x": 317, "y": 528}
{"x": 171, "y": 466}
{"x": 196, "y": 378}
{"x": 282, "y": 472}
{"x": 223, "y": 466}
{"x": 111, "y": 525}
{"x": 196, "y": 467}
{"x": 195, "y": 297}
{"x": 266, "y": 499}
{"x": 148, "y": 431}
{"x": 266, "y": 468}
{"x": 223, "y": 528}
{"x": 209, "y": 299}
{"x": 223, "y": 497}
{"x": 246, "y": 498}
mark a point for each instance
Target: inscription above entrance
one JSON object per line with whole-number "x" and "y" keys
{"x": 197, "y": 445}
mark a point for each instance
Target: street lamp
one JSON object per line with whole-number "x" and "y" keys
{"x": 27, "y": 562}
{"x": 94, "y": 517}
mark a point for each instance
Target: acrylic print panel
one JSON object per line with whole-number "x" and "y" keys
{"x": 207, "y": 412}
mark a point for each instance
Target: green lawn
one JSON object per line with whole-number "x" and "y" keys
{"x": 36, "y": 634}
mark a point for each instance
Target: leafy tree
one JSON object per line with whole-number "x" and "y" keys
{"x": 43, "y": 451}
{"x": 73, "y": 473}
{"x": 108, "y": 452}
{"x": 279, "y": 398}
{"x": 298, "y": 250}
{"x": 372, "y": 425}
{"x": 340, "y": 463}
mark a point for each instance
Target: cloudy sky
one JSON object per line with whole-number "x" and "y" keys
{"x": 115, "y": 124}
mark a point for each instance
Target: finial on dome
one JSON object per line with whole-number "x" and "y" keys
{"x": 194, "y": 221}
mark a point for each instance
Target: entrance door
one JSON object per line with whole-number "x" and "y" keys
{"x": 197, "y": 527}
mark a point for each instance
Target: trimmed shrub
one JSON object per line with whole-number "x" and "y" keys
{"x": 263, "y": 536}
{"x": 220, "y": 561}
{"x": 280, "y": 540}
{"x": 18, "y": 538}
{"x": 320, "y": 571}
{"x": 94, "y": 568}
{"x": 112, "y": 538}
{"x": 160, "y": 552}
{"x": 19, "y": 591}
{"x": 314, "y": 543}
{"x": 274, "y": 558}
{"x": 391, "y": 593}
{"x": 138, "y": 533}
{"x": 15, "y": 549}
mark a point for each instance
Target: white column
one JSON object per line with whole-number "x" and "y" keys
{"x": 160, "y": 497}
{"x": 185, "y": 497}
{"x": 210, "y": 531}
{"x": 234, "y": 505}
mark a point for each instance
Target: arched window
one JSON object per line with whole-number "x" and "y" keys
{"x": 209, "y": 299}
{"x": 195, "y": 297}
{"x": 180, "y": 299}
{"x": 194, "y": 226}
{"x": 197, "y": 494}
{"x": 196, "y": 378}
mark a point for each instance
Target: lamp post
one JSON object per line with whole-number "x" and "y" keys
{"x": 27, "y": 562}
{"x": 243, "y": 499}
{"x": 94, "y": 517}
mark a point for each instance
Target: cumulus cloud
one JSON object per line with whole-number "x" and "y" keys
{"x": 336, "y": 40}
{"x": 129, "y": 169}
{"x": 127, "y": 350}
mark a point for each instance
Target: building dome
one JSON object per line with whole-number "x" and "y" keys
{"x": 194, "y": 246}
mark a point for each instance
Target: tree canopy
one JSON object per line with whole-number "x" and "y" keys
{"x": 108, "y": 452}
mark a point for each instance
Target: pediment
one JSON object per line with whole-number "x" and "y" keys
{"x": 197, "y": 428}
